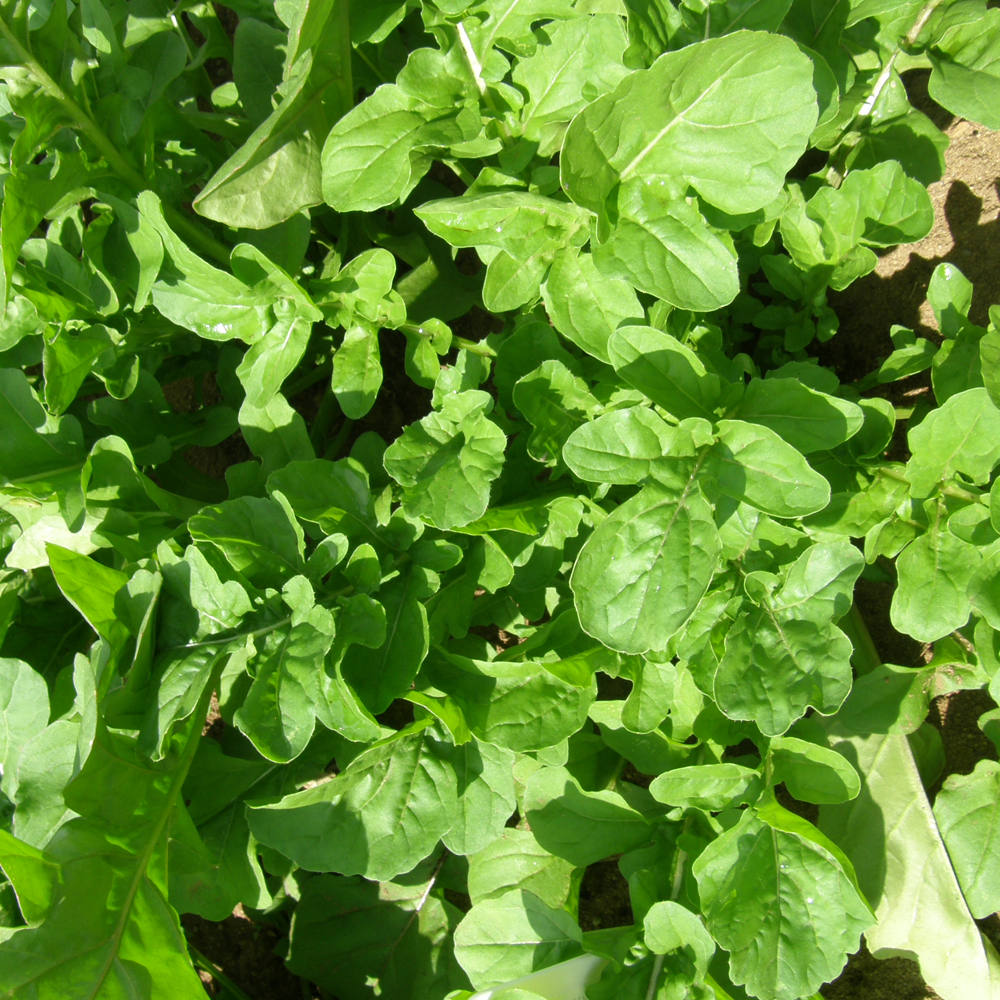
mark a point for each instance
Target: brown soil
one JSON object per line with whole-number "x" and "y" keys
{"x": 245, "y": 952}
{"x": 966, "y": 232}
{"x": 867, "y": 978}
{"x": 604, "y": 899}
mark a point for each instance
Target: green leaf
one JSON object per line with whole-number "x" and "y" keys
{"x": 668, "y": 926}
{"x": 729, "y": 116}
{"x": 334, "y": 495}
{"x": 585, "y": 305}
{"x": 651, "y": 752}
{"x": 24, "y": 712}
{"x": 515, "y": 860}
{"x": 965, "y": 57}
{"x": 380, "y": 675}
{"x": 36, "y": 444}
{"x": 350, "y": 935}
{"x": 754, "y": 465}
{"x": 91, "y": 589}
{"x": 46, "y": 765}
{"x": 580, "y": 826}
{"x": 787, "y": 654}
{"x": 256, "y": 535}
{"x": 35, "y": 190}
{"x": 33, "y": 875}
{"x": 179, "y": 678}
{"x": 707, "y": 786}
{"x": 642, "y": 573}
{"x": 890, "y": 835}
{"x": 212, "y": 303}
{"x": 272, "y": 359}
{"x": 888, "y": 699}
{"x": 808, "y": 420}
{"x": 895, "y": 208}
{"x": 662, "y": 246}
{"x": 812, "y": 773}
{"x": 758, "y": 884}
{"x": 277, "y": 171}
{"x": 962, "y": 436}
{"x": 68, "y": 360}
{"x": 519, "y": 706}
{"x": 555, "y": 402}
{"x": 377, "y": 818}
{"x": 113, "y": 851}
{"x": 581, "y": 61}
{"x": 487, "y": 800}
{"x": 635, "y": 445}
{"x": 965, "y": 810}
{"x": 934, "y": 572}
{"x": 258, "y": 56}
{"x": 210, "y": 874}
{"x": 513, "y": 936}
{"x": 518, "y": 222}
{"x": 357, "y": 372}
{"x": 377, "y": 153}
{"x": 669, "y": 373}
{"x": 280, "y": 707}
{"x": 447, "y": 460}
{"x": 275, "y": 433}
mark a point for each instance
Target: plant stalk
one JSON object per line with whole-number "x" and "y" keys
{"x": 474, "y": 347}
{"x": 908, "y": 39}
{"x": 865, "y": 657}
{"x": 215, "y": 972}
{"x": 955, "y": 492}
{"x": 337, "y": 443}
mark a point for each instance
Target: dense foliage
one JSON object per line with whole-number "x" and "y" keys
{"x": 593, "y": 601}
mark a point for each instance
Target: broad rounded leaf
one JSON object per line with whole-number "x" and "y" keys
{"x": 729, "y": 115}
{"x": 513, "y": 936}
{"x": 707, "y": 786}
{"x": 642, "y": 573}
{"x": 753, "y": 464}
{"x": 580, "y": 826}
{"x": 759, "y": 886}
{"x": 447, "y": 460}
{"x": 378, "y": 818}
{"x": 966, "y": 810}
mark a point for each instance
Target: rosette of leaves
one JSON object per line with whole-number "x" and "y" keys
{"x": 638, "y": 484}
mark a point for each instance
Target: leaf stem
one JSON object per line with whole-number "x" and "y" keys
{"x": 908, "y": 39}
{"x": 477, "y": 71}
{"x": 955, "y": 492}
{"x": 345, "y": 81}
{"x": 474, "y": 347}
{"x": 215, "y": 972}
{"x": 675, "y": 890}
{"x": 865, "y": 657}
{"x": 338, "y": 442}
{"x": 125, "y": 170}
{"x": 310, "y": 378}
{"x": 364, "y": 58}
{"x": 657, "y": 969}
{"x": 328, "y": 409}
{"x": 459, "y": 170}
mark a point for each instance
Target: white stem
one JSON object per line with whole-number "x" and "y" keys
{"x": 470, "y": 54}
{"x": 657, "y": 969}
{"x": 911, "y": 37}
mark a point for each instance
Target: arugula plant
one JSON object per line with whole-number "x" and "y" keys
{"x": 593, "y": 601}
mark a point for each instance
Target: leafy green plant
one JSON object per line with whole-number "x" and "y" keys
{"x": 568, "y": 578}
